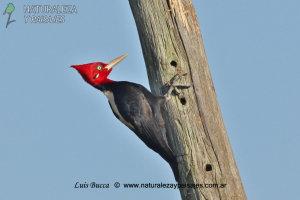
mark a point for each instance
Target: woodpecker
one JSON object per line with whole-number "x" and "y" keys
{"x": 134, "y": 106}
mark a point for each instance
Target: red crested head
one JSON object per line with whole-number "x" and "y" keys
{"x": 97, "y": 73}
{"x": 93, "y": 73}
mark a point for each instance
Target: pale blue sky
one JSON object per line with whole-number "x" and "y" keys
{"x": 56, "y": 130}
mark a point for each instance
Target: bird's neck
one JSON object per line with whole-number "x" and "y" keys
{"x": 104, "y": 85}
{"x": 106, "y": 81}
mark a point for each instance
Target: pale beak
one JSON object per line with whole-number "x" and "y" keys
{"x": 114, "y": 62}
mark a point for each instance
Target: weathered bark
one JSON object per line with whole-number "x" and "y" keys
{"x": 171, "y": 41}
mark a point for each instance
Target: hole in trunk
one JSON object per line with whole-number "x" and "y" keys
{"x": 173, "y": 63}
{"x": 208, "y": 167}
{"x": 183, "y": 101}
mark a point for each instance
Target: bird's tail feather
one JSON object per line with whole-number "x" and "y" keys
{"x": 175, "y": 170}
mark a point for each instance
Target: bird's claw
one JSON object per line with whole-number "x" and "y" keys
{"x": 174, "y": 85}
{"x": 177, "y": 92}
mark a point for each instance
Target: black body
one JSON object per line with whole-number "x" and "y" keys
{"x": 141, "y": 111}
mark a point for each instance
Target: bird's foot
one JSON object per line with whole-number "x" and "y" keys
{"x": 174, "y": 85}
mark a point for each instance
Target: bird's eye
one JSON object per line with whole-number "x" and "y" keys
{"x": 99, "y": 67}
{"x": 96, "y": 76}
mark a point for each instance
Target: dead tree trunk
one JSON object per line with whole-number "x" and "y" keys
{"x": 171, "y": 41}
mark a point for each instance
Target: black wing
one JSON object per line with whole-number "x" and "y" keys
{"x": 142, "y": 109}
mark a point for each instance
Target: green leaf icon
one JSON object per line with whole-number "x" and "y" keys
{"x": 9, "y": 9}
